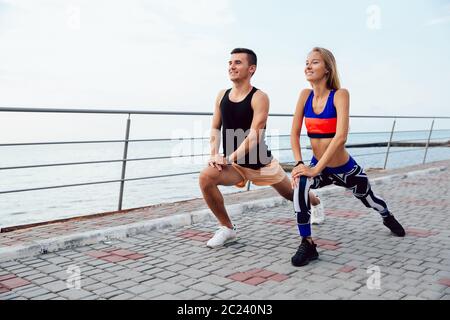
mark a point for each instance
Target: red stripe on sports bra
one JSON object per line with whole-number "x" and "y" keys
{"x": 317, "y": 125}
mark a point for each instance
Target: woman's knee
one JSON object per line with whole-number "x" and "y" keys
{"x": 303, "y": 184}
{"x": 301, "y": 195}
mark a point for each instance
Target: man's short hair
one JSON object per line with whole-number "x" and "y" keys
{"x": 252, "y": 60}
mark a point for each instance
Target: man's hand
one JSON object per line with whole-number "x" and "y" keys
{"x": 217, "y": 161}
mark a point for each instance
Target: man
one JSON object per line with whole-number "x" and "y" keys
{"x": 242, "y": 113}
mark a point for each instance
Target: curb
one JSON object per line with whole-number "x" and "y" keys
{"x": 178, "y": 220}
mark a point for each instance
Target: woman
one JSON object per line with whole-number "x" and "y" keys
{"x": 326, "y": 112}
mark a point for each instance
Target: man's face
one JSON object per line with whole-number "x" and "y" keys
{"x": 239, "y": 68}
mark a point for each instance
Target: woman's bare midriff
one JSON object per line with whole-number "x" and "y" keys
{"x": 319, "y": 146}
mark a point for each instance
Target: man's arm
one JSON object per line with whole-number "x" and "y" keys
{"x": 216, "y": 124}
{"x": 260, "y": 105}
{"x": 214, "y": 140}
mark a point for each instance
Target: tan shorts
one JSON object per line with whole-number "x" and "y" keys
{"x": 265, "y": 176}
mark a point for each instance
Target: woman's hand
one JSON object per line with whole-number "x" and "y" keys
{"x": 302, "y": 170}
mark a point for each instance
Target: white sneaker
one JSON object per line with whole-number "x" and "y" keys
{"x": 222, "y": 236}
{"x": 317, "y": 214}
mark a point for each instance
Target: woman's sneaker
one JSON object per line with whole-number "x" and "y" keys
{"x": 393, "y": 225}
{"x": 305, "y": 253}
{"x": 317, "y": 214}
{"x": 222, "y": 236}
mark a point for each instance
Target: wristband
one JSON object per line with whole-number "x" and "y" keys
{"x": 299, "y": 162}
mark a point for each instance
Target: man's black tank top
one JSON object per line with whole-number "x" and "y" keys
{"x": 236, "y": 122}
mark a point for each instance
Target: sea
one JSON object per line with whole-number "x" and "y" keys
{"x": 44, "y": 205}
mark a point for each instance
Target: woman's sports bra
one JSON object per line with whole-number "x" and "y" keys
{"x": 321, "y": 125}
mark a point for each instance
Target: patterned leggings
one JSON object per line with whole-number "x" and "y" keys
{"x": 350, "y": 176}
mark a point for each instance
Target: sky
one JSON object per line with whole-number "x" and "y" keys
{"x": 393, "y": 57}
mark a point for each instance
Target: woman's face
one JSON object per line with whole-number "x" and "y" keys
{"x": 315, "y": 68}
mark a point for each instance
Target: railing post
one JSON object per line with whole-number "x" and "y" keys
{"x": 389, "y": 145}
{"x": 124, "y": 163}
{"x": 428, "y": 142}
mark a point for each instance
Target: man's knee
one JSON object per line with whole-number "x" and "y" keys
{"x": 313, "y": 199}
{"x": 208, "y": 178}
{"x": 284, "y": 188}
{"x": 290, "y": 195}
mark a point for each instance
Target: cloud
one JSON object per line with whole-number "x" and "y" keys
{"x": 202, "y": 12}
{"x": 86, "y": 53}
{"x": 436, "y": 21}
{"x": 442, "y": 19}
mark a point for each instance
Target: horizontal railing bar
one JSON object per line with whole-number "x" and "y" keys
{"x": 176, "y": 139}
{"x": 281, "y": 149}
{"x": 112, "y": 161}
{"x": 99, "y": 141}
{"x": 163, "y": 176}
{"x": 155, "y": 158}
{"x": 101, "y": 161}
{"x": 281, "y": 135}
{"x": 378, "y": 142}
{"x": 105, "y": 111}
{"x": 180, "y": 113}
{"x": 97, "y": 182}
{"x": 423, "y": 139}
{"x": 396, "y": 132}
{"x": 443, "y": 139}
{"x": 398, "y": 117}
{"x": 110, "y": 141}
{"x": 374, "y": 132}
{"x": 384, "y": 152}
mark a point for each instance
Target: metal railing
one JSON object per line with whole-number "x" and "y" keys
{"x": 126, "y": 142}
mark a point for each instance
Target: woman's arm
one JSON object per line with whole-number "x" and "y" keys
{"x": 296, "y": 129}
{"x": 342, "y": 104}
{"x": 297, "y": 122}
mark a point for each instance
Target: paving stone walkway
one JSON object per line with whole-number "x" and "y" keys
{"x": 175, "y": 263}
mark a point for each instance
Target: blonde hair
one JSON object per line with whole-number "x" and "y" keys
{"x": 330, "y": 64}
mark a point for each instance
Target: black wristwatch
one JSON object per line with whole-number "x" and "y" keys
{"x": 299, "y": 162}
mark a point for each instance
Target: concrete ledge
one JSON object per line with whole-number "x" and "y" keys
{"x": 91, "y": 237}
{"x": 178, "y": 220}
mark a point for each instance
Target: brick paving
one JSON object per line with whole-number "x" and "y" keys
{"x": 175, "y": 263}
{"x": 24, "y": 237}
